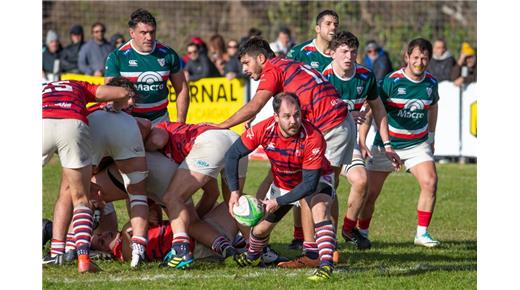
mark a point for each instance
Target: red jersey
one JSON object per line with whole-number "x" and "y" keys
{"x": 320, "y": 103}
{"x": 182, "y": 136}
{"x": 159, "y": 241}
{"x": 67, "y": 99}
{"x": 289, "y": 156}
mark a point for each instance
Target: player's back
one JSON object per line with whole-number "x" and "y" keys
{"x": 67, "y": 99}
{"x": 320, "y": 102}
{"x": 307, "y": 52}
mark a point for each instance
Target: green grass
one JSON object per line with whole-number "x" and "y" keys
{"x": 393, "y": 262}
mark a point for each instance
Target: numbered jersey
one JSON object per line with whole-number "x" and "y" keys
{"x": 407, "y": 103}
{"x": 356, "y": 89}
{"x": 67, "y": 99}
{"x": 309, "y": 53}
{"x": 149, "y": 72}
{"x": 319, "y": 100}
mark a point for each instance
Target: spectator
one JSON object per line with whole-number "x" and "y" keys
{"x": 283, "y": 43}
{"x": 217, "y": 52}
{"x": 199, "y": 66}
{"x": 69, "y": 55}
{"x": 253, "y": 32}
{"x": 116, "y": 40}
{"x": 233, "y": 67}
{"x": 51, "y": 57}
{"x": 203, "y": 48}
{"x": 465, "y": 71}
{"x": 93, "y": 54}
{"x": 442, "y": 61}
{"x": 377, "y": 60}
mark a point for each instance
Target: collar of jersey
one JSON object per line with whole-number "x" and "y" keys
{"x": 318, "y": 50}
{"x": 347, "y": 78}
{"x": 142, "y": 53}
{"x": 408, "y": 78}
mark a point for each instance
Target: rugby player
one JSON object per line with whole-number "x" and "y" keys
{"x": 356, "y": 85}
{"x": 199, "y": 150}
{"x": 149, "y": 64}
{"x": 301, "y": 172}
{"x": 410, "y": 96}
{"x": 66, "y": 131}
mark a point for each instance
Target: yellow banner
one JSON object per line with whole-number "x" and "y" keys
{"x": 212, "y": 100}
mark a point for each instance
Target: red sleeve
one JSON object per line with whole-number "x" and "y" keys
{"x": 271, "y": 80}
{"x": 314, "y": 153}
{"x": 90, "y": 91}
{"x": 252, "y": 137}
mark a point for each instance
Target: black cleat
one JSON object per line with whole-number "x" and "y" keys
{"x": 70, "y": 256}
{"x": 357, "y": 239}
{"x": 56, "y": 260}
{"x": 270, "y": 256}
{"x": 46, "y": 231}
{"x": 296, "y": 245}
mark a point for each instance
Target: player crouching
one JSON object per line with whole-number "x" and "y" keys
{"x": 301, "y": 173}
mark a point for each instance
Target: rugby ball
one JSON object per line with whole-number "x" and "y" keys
{"x": 248, "y": 211}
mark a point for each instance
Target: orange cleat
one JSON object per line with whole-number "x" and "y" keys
{"x": 85, "y": 265}
{"x": 335, "y": 257}
{"x": 300, "y": 262}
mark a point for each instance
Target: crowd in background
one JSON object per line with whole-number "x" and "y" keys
{"x": 218, "y": 58}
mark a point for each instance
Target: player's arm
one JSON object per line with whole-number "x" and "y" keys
{"x": 310, "y": 179}
{"x": 181, "y": 90}
{"x": 232, "y": 158}
{"x": 362, "y": 135}
{"x": 432, "y": 124}
{"x": 105, "y": 93}
{"x": 248, "y": 111}
{"x": 379, "y": 113}
{"x": 157, "y": 139}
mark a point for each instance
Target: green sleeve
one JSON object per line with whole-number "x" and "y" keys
{"x": 175, "y": 64}
{"x": 435, "y": 94}
{"x": 112, "y": 68}
{"x": 384, "y": 87}
{"x": 372, "y": 87}
{"x": 294, "y": 53}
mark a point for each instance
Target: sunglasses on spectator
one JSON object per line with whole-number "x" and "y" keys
{"x": 232, "y": 46}
{"x": 192, "y": 52}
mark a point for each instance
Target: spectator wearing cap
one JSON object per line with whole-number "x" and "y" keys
{"x": 199, "y": 65}
{"x": 283, "y": 42}
{"x": 51, "y": 57}
{"x": 442, "y": 61}
{"x": 70, "y": 54}
{"x": 93, "y": 54}
{"x": 116, "y": 40}
{"x": 465, "y": 71}
{"x": 377, "y": 60}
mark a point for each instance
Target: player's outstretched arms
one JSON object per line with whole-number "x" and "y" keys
{"x": 156, "y": 140}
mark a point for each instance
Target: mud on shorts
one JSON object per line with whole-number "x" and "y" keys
{"x": 409, "y": 156}
{"x": 70, "y": 138}
{"x": 208, "y": 152}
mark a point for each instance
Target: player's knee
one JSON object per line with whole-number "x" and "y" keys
{"x": 429, "y": 184}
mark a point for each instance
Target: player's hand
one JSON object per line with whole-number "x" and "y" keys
{"x": 365, "y": 152}
{"x": 393, "y": 157}
{"x": 270, "y": 205}
{"x": 359, "y": 117}
{"x": 233, "y": 199}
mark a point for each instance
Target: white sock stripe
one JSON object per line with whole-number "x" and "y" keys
{"x": 138, "y": 203}
{"x": 322, "y": 239}
{"x": 138, "y": 238}
{"x": 326, "y": 244}
{"x": 82, "y": 228}
{"x": 325, "y": 232}
{"x": 82, "y": 207}
{"x": 180, "y": 235}
{"x": 83, "y": 220}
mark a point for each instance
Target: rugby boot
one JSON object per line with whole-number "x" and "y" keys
{"x": 357, "y": 239}
{"x": 323, "y": 273}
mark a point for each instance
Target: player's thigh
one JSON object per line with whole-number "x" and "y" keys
{"x": 340, "y": 142}
{"x": 357, "y": 175}
{"x": 161, "y": 171}
{"x": 426, "y": 174}
{"x": 73, "y": 143}
{"x": 184, "y": 184}
{"x": 377, "y": 180}
{"x": 78, "y": 180}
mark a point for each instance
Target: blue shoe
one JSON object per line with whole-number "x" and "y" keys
{"x": 179, "y": 256}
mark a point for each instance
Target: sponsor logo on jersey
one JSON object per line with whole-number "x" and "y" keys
{"x": 132, "y": 62}
{"x": 315, "y": 151}
{"x": 149, "y": 81}
{"x": 350, "y": 104}
{"x": 161, "y": 61}
{"x": 202, "y": 163}
{"x": 298, "y": 152}
{"x": 64, "y": 105}
{"x": 250, "y": 134}
{"x": 401, "y": 91}
{"x": 429, "y": 91}
{"x": 270, "y": 146}
{"x": 410, "y": 110}
{"x": 314, "y": 64}
{"x": 359, "y": 90}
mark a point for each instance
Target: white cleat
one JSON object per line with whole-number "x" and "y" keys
{"x": 137, "y": 255}
{"x": 426, "y": 240}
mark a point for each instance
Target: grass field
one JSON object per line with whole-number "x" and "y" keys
{"x": 392, "y": 263}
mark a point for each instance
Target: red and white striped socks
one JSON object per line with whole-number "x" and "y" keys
{"x": 70, "y": 245}
{"x": 310, "y": 249}
{"x": 326, "y": 240}
{"x": 57, "y": 247}
{"x": 256, "y": 246}
{"x": 82, "y": 228}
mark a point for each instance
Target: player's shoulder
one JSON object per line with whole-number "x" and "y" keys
{"x": 295, "y": 50}
{"x": 163, "y": 48}
{"x": 328, "y": 71}
{"x": 430, "y": 78}
{"x": 311, "y": 132}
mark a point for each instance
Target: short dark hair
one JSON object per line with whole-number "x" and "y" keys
{"x": 344, "y": 37}
{"x": 143, "y": 16}
{"x": 422, "y": 44}
{"x": 98, "y": 24}
{"x": 124, "y": 83}
{"x": 289, "y": 97}
{"x": 324, "y": 13}
{"x": 285, "y": 30}
{"x": 254, "y": 47}
{"x": 193, "y": 44}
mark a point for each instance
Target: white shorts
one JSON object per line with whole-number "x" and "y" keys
{"x": 409, "y": 156}
{"x": 275, "y": 191}
{"x": 115, "y": 135}
{"x": 208, "y": 152}
{"x": 340, "y": 142}
{"x": 161, "y": 170}
{"x": 70, "y": 138}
